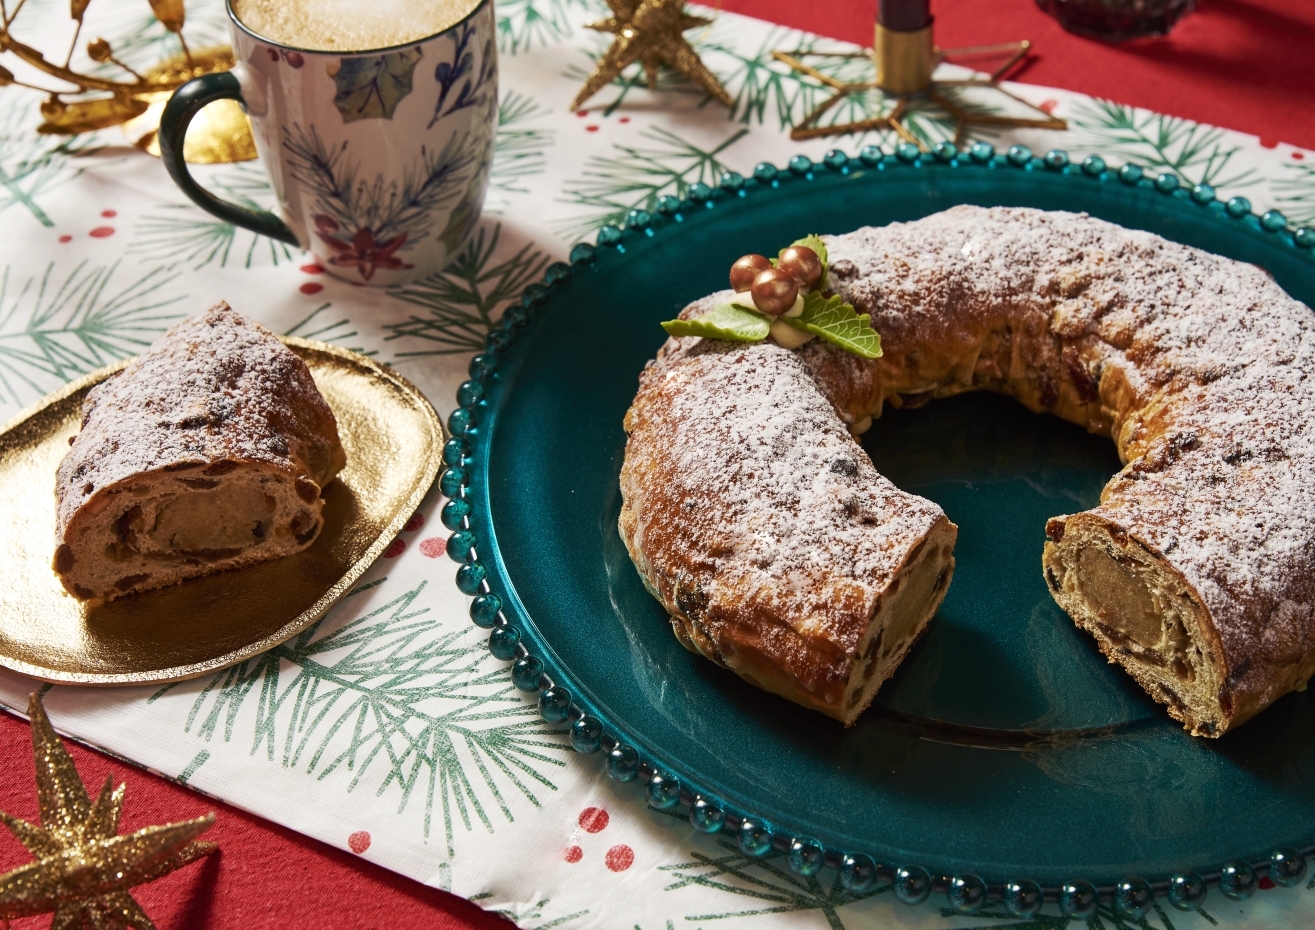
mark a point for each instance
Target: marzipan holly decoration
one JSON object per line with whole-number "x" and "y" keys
{"x": 83, "y": 867}
{"x": 785, "y": 298}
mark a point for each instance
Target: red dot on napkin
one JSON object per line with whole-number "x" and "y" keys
{"x": 395, "y": 548}
{"x": 574, "y": 854}
{"x": 594, "y": 819}
{"x": 312, "y": 269}
{"x": 359, "y": 841}
{"x": 414, "y": 523}
{"x": 620, "y": 858}
{"x": 1269, "y": 143}
{"x": 109, "y": 213}
{"x": 65, "y": 238}
{"x": 591, "y": 129}
{"x": 311, "y": 287}
{"x": 101, "y": 232}
{"x": 433, "y": 547}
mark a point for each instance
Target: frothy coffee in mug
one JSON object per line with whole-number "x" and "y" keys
{"x": 349, "y": 25}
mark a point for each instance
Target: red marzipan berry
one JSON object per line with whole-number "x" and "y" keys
{"x": 802, "y": 264}
{"x": 745, "y": 269}
{"x": 774, "y": 291}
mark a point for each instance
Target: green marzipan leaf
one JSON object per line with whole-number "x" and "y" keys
{"x": 724, "y": 321}
{"x": 838, "y": 323}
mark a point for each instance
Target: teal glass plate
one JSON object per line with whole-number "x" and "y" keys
{"x": 1005, "y": 746}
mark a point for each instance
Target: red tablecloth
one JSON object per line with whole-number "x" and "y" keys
{"x": 1243, "y": 64}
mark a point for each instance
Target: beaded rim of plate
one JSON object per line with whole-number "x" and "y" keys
{"x": 859, "y": 873}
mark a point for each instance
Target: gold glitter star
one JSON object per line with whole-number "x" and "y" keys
{"x": 83, "y": 868}
{"x": 650, "y": 32}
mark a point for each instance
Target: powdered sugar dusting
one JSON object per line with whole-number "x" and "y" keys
{"x": 738, "y": 458}
{"x": 216, "y": 387}
{"x": 1201, "y": 368}
{"x": 1204, "y": 368}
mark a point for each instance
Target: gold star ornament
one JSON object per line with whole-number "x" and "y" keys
{"x": 650, "y": 32}
{"x": 83, "y": 868}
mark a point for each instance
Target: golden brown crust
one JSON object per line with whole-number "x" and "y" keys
{"x": 216, "y": 423}
{"x": 765, "y": 531}
{"x": 1201, "y": 369}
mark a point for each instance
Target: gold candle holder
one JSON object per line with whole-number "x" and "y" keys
{"x": 905, "y": 60}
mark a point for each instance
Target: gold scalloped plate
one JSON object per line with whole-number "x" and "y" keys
{"x": 394, "y": 443}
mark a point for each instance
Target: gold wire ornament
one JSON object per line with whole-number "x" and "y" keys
{"x": 903, "y": 72}
{"x": 84, "y": 868}
{"x": 652, "y": 33}
{"x": 136, "y": 101}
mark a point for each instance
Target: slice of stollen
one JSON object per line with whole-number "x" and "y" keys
{"x": 208, "y": 452}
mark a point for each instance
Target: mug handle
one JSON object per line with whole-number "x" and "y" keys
{"x": 185, "y": 103}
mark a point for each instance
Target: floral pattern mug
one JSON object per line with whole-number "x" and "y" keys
{"x": 380, "y": 159}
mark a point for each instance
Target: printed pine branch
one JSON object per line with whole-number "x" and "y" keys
{"x": 324, "y": 171}
{"x": 387, "y": 208}
{"x": 30, "y": 165}
{"x": 761, "y": 85}
{"x": 183, "y": 232}
{"x": 1194, "y": 152}
{"x": 1295, "y": 193}
{"x": 636, "y": 177}
{"x": 327, "y": 329}
{"x": 532, "y": 912}
{"x": 1107, "y": 917}
{"x": 462, "y": 302}
{"x": 765, "y": 880}
{"x": 438, "y": 181}
{"x": 764, "y": 89}
{"x": 518, "y": 152}
{"x": 524, "y": 23}
{"x": 52, "y": 330}
{"x": 397, "y": 701}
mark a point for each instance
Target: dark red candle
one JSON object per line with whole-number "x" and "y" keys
{"x": 903, "y": 15}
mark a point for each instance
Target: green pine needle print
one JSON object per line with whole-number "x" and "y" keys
{"x": 1295, "y": 193}
{"x": 768, "y": 92}
{"x": 186, "y": 233}
{"x": 637, "y": 176}
{"x": 54, "y": 328}
{"x": 31, "y": 166}
{"x": 767, "y": 881}
{"x": 346, "y": 202}
{"x": 518, "y": 151}
{"x": 522, "y": 24}
{"x": 329, "y": 327}
{"x": 462, "y": 302}
{"x": 394, "y": 701}
{"x": 1105, "y": 918}
{"x": 1197, "y": 154}
{"x": 533, "y": 912}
